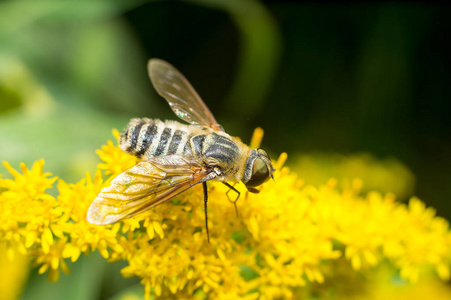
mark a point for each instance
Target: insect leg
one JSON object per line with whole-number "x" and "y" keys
{"x": 237, "y": 197}
{"x": 204, "y": 185}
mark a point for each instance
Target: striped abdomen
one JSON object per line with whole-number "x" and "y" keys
{"x": 155, "y": 138}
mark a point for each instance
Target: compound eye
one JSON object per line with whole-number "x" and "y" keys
{"x": 260, "y": 173}
{"x": 262, "y": 152}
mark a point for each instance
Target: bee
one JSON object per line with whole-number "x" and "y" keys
{"x": 174, "y": 156}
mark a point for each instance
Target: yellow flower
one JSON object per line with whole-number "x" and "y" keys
{"x": 27, "y": 210}
{"x": 51, "y": 261}
{"x": 287, "y": 242}
{"x": 384, "y": 175}
{"x": 114, "y": 161}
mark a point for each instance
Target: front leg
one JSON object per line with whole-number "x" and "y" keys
{"x": 237, "y": 197}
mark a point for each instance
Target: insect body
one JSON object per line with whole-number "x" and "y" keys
{"x": 153, "y": 139}
{"x": 176, "y": 156}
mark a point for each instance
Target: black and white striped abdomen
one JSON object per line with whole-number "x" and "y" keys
{"x": 155, "y": 138}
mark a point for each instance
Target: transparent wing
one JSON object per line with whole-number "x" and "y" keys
{"x": 181, "y": 96}
{"x": 140, "y": 188}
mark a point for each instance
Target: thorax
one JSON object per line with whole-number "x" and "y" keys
{"x": 218, "y": 149}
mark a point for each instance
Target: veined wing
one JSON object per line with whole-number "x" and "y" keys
{"x": 181, "y": 96}
{"x": 142, "y": 187}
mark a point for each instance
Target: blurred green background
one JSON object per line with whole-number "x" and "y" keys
{"x": 322, "y": 79}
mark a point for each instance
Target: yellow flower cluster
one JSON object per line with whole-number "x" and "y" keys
{"x": 283, "y": 240}
{"x": 385, "y": 175}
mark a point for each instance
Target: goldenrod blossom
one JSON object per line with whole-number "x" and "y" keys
{"x": 285, "y": 241}
{"x": 386, "y": 175}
